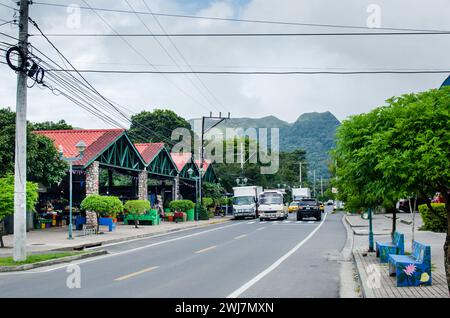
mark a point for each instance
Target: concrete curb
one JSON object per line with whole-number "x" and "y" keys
{"x": 67, "y": 259}
{"x": 366, "y": 291}
{"x": 128, "y": 238}
{"x": 347, "y": 285}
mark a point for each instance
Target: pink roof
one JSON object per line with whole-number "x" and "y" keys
{"x": 149, "y": 150}
{"x": 96, "y": 141}
{"x": 206, "y": 164}
{"x": 181, "y": 159}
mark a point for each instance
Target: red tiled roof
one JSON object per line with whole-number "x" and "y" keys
{"x": 181, "y": 159}
{"x": 96, "y": 141}
{"x": 149, "y": 150}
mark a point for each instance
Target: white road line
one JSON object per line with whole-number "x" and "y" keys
{"x": 275, "y": 222}
{"x": 262, "y": 222}
{"x": 261, "y": 228}
{"x": 240, "y": 236}
{"x": 286, "y": 221}
{"x": 251, "y": 222}
{"x": 310, "y": 222}
{"x": 136, "y": 273}
{"x": 299, "y": 222}
{"x": 135, "y": 249}
{"x": 277, "y": 263}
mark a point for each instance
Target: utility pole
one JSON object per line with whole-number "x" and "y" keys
{"x": 300, "y": 174}
{"x": 20, "y": 164}
{"x": 202, "y": 148}
{"x": 315, "y": 183}
{"x": 321, "y": 187}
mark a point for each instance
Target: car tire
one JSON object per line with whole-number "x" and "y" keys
{"x": 299, "y": 218}
{"x": 319, "y": 217}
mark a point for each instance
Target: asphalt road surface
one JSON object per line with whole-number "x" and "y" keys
{"x": 245, "y": 258}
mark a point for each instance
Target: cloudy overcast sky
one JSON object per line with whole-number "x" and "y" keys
{"x": 286, "y": 97}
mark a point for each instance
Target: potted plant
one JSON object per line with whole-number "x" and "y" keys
{"x": 102, "y": 206}
{"x": 136, "y": 208}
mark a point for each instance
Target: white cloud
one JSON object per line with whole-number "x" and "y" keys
{"x": 286, "y": 97}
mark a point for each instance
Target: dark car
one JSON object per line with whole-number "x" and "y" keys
{"x": 309, "y": 208}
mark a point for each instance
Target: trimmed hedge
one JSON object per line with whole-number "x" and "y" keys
{"x": 431, "y": 222}
{"x": 102, "y": 205}
{"x": 181, "y": 205}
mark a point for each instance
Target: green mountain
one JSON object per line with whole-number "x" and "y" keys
{"x": 313, "y": 132}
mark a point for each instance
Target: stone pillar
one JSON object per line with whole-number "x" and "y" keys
{"x": 176, "y": 188}
{"x": 142, "y": 185}
{"x": 92, "y": 177}
{"x": 92, "y": 173}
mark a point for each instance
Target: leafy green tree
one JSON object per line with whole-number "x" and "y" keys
{"x": 7, "y": 199}
{"x": 397, "y": 151}
{"x": 43, "y": 163}
{"x": 50, "y": 125}
{"x": 136, "y": 208}
{"x": 102, "y": 206}
{"x": 156, "y": 125}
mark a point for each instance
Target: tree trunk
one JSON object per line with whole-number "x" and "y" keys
{"x": 136, "y": 221}
{"x": 2, "y": 229}
{"x": 98, "y": 223}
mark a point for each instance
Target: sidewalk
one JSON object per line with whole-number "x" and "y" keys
{"x": 367, "y": 263}
{"x": 56, "y": 238}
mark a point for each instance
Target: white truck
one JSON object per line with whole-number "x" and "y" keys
{"x": 300, "y": 193}
{"x": 271, "y": 205}
{"x": 245, "y": 201}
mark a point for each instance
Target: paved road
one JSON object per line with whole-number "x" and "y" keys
{"x": 245, "y": 258}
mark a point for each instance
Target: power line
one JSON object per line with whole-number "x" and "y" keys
{"x": 144, "y": 57}
{"x": 150, "y": 33}
{"x": 259, "y": 21}
{"x": 244, "y": 34}
{"x": 9, "y": 7}
{"x": 182, "y": 55}
{"x": 264, "y": 72}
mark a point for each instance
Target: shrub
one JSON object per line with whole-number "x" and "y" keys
{"x": 203, "y": 214}
{"x": 7, "y": 198}
{"x": 207, "y": 202}
{"x": 432, "y": 222}
{"x": 181, "y": 205}
{"x": 211, "y": 215}
{"x": 102, "y": 206}
{"x": 136, "y": 208}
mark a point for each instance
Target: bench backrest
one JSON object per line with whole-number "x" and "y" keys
{"x": 421, "y": 252}
{"x": 399, "y": 241}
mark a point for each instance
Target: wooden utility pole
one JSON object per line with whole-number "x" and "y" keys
{"x": 20, "y": 165}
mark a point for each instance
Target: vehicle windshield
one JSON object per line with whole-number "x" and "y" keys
{"x": 293, "y": 204}
{"x": 307, "y": 202}
{"x": 271, "y": 199}
{"x": 243, "y": 200}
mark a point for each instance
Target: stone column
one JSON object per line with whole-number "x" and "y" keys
{"x": 142, "y": 185}
{"x": 92, "y": 173}
{"x": 176, "y": 188}
{"x": 92, "y": 177}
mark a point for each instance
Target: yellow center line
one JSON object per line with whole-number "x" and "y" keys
{"x": 136, "y": 273}
{"x": 240, "y": 236}
{"x": 205, "y": 249}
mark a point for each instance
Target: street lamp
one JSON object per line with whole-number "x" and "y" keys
{"x": 81, "y": 147}
{"x": 190, "y": 173}
{"x": 241, "y": 181}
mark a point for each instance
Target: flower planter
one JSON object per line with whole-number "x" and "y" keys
{"x": 170, "y": 218}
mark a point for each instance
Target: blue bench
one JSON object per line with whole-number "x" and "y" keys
{"x": 102, "y": 221}
{"x": 397, "y": 246}
{"x": 414, "y": 269}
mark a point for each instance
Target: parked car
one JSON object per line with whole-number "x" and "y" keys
{"x": 293, "y": 207}
{"x": 309, "y": 208}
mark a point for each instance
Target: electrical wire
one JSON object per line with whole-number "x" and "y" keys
{"x": 258, "y": 21}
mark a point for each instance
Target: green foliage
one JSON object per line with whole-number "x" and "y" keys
{"x": 203, "y": 214}
{"x": 50, "y": 125}
{"x": 162, "y": 123}
{"x": 395, "y": 151}
{"x": 7, "y": 196}
{"x": 435, "y": 222}
{"x": 181, "y": 205}
{"x": 102, "y": 205}
{"x": 136, "y": 207}
{"x": 207, "y": 202}
{"x": 43, "y": 163}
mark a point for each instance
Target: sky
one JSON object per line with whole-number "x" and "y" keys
{"x": 286, "y": 97}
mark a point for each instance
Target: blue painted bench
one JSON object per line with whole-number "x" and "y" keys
{"x": 397, "y": 246}
{"x": 102, "y": 221}
{"x": 414, "y": 269}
